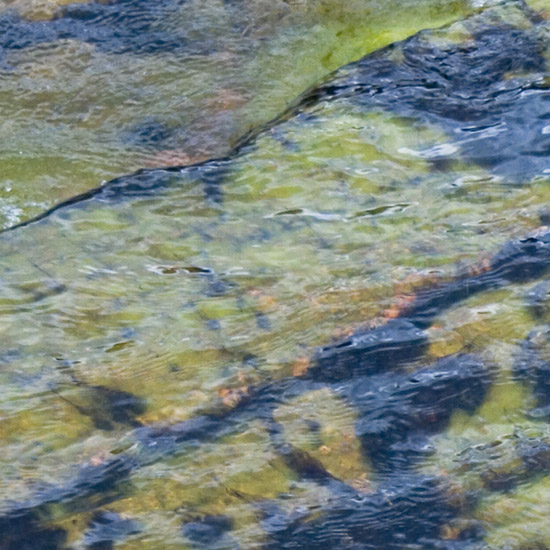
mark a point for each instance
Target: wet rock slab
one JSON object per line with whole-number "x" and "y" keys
{"x": 478, "y": 94}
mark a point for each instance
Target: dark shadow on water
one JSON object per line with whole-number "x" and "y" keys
{"x": 116, "y": 26}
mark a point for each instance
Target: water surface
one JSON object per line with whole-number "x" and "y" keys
{"x": 171, "y": 292}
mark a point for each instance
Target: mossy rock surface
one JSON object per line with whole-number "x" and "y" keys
{"x": 170, "y": 292}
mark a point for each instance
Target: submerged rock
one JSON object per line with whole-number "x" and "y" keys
{"x": 538, "y": 299}
{"x": 533, "y": 365}
{"x": 206, "y": 530}
{"x": 108, "y": 407}
{"x": 483, "y": 82}
{"x": 106, "y": 528}
{"x": 489, "y": 90}
{"x": 115, "y": 26}
{"x": 406, "y": 510}
{"x": 478, "y": 92}
{"x": 398, "y": 413}
{"x": 532, "y": 461}
{"x": 24, "y": 531}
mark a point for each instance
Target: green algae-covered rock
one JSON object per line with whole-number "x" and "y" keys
{"x": 94, "y": 89}
{"x": 162, "y": 291}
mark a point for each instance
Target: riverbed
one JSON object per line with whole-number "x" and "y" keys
{"x": 202, "y": 198}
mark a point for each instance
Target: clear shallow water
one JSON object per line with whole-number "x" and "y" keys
{"x": 145, "y": 306}
{"x": 78, "y": 110}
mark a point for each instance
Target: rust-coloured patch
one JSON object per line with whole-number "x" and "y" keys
{"x": 300, "y": 366}
{"x": 175, "y": 157}
{"x": 98, "y": 460}
{"x": 343, "y": 332}
{"x": 265, "y": 301}
{"x": 362, "y": 484}
{"x": 325, "y": 450}
{"x": 231, "y": 397}
{"x": 227, "y": 100}
{"x": 402, "y": 302}
{"x": 450, "y": 532}
{"x": 482, "y": 266}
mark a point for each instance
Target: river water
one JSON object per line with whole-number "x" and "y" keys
{"x": 234, "y": 284}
